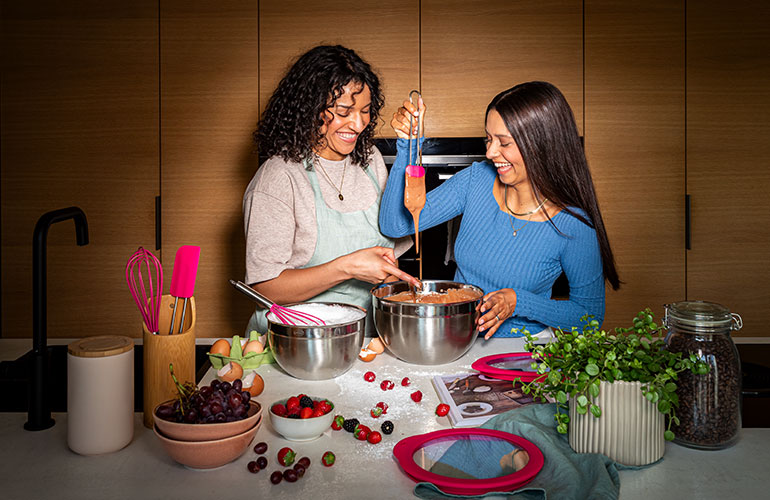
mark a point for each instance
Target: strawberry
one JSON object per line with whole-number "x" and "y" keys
{"x": 374, "y": 437}
{"x": 292, "y": 402}
{"x": 416, "y": 396}
{"x": 362, "y": 432}
{"x": 376, "y": 412}
{"x": 337, "y": 422}
{"x": 279, "y": 409}
{"x": 384, "y": 407}
{"x": 442, "y": 410}
{"x": 386, "y": 385}
{"x": 316, "y": 413}
{"x": 369, "y": 376}
{"x": 306, "y": 413}
{"x": 328, "y": 459}
{"x": 405, "y": 381}
{"x": 286, "y": 456}
{"x": 325, "y": 407}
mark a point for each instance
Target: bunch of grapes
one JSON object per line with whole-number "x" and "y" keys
{"x": 213, "y": 403}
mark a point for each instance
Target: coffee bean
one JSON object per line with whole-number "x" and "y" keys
{"x": 709, "y": 404}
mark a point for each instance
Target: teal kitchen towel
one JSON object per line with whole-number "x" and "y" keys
{"x": 565, "y": 475}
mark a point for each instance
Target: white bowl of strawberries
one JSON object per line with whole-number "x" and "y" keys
{"x": 301, "y": 417}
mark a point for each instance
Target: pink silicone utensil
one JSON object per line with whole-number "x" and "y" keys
{"x": 285, "y": 315}
{"x": 183, "y": 279}
{"x": 469, "y": 461}
{"x": 144, "y": 276}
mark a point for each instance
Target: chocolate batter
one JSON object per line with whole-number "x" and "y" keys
{"x": 450, "y": 296}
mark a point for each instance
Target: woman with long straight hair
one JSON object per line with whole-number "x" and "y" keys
{"x": 529, "y": 213}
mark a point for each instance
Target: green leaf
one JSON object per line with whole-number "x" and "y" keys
{"x": 664, "y": 406}
{"x": 592, "y": 369}
{"x": 593, "y": 389}
{"x": 596, "y": 411}
{"x": 561, "y": 397}
{"x": 670, "y": 387}
{"x": 582, "y": 400}
{"x": 582, "y": 410}
{"x": 554, "y": 377}
{"x": 668, "y": 435}
{"x": 561, "y": 428}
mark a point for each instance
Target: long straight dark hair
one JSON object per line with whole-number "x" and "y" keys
{"x": 541, "y": 122}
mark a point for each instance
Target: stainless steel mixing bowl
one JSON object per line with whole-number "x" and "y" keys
{"x": 317, "y": 352}
{"x": 425, "y": 334}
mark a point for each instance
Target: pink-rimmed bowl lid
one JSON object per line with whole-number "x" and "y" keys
{"x": 508, "y": 366}
{"x": 469, "y": 461}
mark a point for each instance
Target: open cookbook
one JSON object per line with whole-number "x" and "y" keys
{"x": 474, "y": 398}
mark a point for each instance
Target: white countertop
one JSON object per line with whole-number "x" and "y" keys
{"x": 40, "y": 465}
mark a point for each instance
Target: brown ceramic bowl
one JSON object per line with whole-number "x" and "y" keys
{"x": 208, "y": 454}
{"x": 207, "y": 432}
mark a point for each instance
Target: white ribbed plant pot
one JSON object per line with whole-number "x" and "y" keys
{"x": 629, "y": 431}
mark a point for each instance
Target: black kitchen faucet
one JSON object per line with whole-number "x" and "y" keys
{"x": 39, "y": 414}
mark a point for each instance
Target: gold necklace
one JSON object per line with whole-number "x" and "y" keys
{"x": 533, "y": 211}
{"x": 516, "y": 231}
{"x": 339, "y": 190}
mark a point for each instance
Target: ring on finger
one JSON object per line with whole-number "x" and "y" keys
{"x": 498, "y": 317}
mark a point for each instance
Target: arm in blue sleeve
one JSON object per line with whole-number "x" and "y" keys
{"x": 441, "y": 204}
{"x": 582, "y": 264}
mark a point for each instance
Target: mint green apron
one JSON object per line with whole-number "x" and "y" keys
{"x": 339, "y": 234}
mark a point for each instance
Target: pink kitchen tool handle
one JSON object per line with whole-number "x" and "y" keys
{"x": 185, "y": 271}
{"x": 415, "y": 170}
{"x": 183, "y": 279}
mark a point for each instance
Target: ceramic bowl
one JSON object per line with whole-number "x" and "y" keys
{"x": 208, "y": 454}
{"x": 207, "y": 432}
{"x": 422, "y": 333}
{"x": 301, "y": 429}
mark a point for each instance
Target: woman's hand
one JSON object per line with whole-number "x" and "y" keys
{"x": 495, "y": 307}
{"x": 374, "y": 265}
{"x": 404, "y": 114}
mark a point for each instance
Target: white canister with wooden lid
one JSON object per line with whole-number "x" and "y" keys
{"x": 100, "y": 394}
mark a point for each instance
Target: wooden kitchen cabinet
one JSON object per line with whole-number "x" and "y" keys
{"x": 79, "y": 127}
{"x": 209, "y": 80}
{"x": 728, "y": 143}
{"x": 634, "y": 139}
{"x": 472, "y": 50}
{"x": 385, "y": 34}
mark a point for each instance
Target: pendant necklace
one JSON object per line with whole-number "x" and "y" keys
{"x": 339, "y": 190}
{"x": 512, "y": 213}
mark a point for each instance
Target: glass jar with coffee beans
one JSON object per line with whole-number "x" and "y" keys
{"x": 709, "y": 410}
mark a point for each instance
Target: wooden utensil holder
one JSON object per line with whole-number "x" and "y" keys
{"x": 163, "y": 349}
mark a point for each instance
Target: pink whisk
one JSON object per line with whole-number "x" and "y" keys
{"x": 285, "y": 315}
{"x": 144, "y": 276}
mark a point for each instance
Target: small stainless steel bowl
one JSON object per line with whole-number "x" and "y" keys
{"x": 317, "y": 352}
{"x": 425, "y": 334}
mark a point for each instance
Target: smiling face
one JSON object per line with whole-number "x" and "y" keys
{"x": 344, "y": 120}
{"x": 503, "y": 151}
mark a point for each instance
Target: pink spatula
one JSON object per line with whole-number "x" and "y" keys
{"x": 183, "y": 279}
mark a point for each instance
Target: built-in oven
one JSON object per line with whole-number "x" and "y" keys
{"x": 442, "y": 158}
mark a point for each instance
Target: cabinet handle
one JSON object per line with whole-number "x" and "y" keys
{"x": 687, "y": 223}
{"x": 157, "y": 223}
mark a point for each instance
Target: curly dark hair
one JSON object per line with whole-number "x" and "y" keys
{"x": 290, "y": 126}
{"x": 541, "y": 122}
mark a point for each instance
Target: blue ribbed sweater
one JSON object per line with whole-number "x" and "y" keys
{"x": 490, "y": 257}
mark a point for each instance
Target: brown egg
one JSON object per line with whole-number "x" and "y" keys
{"x": 230, "y": 372}
{"x": 367, "y": 355}
{"x": 253, "y": 346}
{"x": 254, "y": 384}
{"x": 376, "y": 345}
{"x": 221, "y": 346}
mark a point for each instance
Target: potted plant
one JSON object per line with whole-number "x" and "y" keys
{"x": 587, "y": 372}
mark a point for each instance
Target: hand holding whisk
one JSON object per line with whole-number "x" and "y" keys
{"x": 144, "y": 275}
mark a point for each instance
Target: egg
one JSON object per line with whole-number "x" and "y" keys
{"x": 367, "y": 355}
{"x": 221, "y": 346}
{"x": 376, "y": 345}
{"x": 254, "y": 384}
{"x": 230, "y": 372}
{"x": 253, "y": 346}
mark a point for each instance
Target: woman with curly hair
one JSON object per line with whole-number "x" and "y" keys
{"x": 311, "y": 210}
